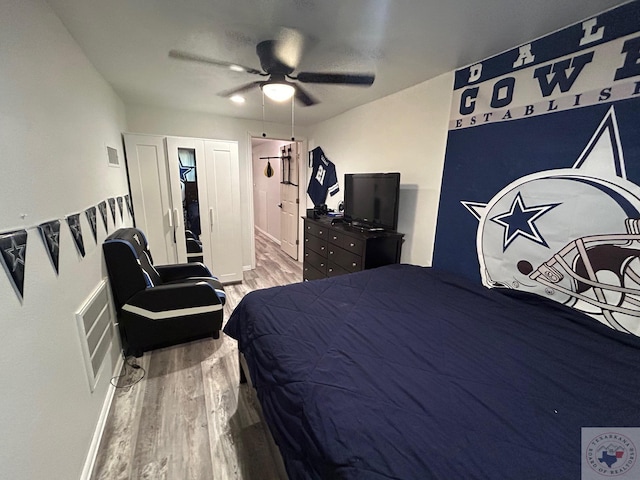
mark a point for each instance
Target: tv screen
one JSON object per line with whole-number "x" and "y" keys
{"x": 371, "y": 199}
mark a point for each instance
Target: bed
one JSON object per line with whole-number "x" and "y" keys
{"x": 403, "y": 372}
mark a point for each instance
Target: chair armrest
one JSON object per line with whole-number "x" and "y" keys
{"x": 175, "y": 300}
{"x": 180, "y": 271}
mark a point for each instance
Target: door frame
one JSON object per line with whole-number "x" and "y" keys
{"x": 302, "y": 177}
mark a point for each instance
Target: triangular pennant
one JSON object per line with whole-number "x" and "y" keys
{"x": 120, "y": 207}
{"x": 76, "y": 231}
{"x": 102, "y": 206}
{"x": 13, "y": 249}
{"x": 127, "y": 200}
{"x": 50, "y": 232}
{"x": 91, "y": 216}
{"x": 112, "y": 206}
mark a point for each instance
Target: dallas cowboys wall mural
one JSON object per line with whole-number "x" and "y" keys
{"x": 13, "y": 243}
{"x": 540, "y": 187}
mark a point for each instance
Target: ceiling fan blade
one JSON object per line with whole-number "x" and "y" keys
{"x": 364, "y": 79}
{"x": 244, "y": 88}
{"x": 192, "y": 57}
{"x": 303, "y": 97}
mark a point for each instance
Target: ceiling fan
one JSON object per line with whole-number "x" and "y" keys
{"x": 278, "y": 60}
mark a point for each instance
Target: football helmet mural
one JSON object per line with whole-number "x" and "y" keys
{"x": 572, "y": 235}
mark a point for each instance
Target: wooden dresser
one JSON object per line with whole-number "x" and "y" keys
{"x": 331, "y": 250}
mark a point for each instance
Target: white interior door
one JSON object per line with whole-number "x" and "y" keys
{"x": 151, "y": 194}
{"x": 289, "y": 200}
{"x": 219, "y": 184}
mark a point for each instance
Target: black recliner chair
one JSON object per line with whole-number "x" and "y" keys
{"x": 161, "y": 305}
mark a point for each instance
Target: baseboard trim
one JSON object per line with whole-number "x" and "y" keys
{"x": 92, "y": 455}
{"x": 268, "y": 235}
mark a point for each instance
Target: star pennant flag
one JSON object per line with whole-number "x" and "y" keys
{"x": 13, "y": 251}
{"x": 112, "y": 206}
{"x": 120, "y": 207}
{"x": 102, "y": 206}
{"x": 91, "y": 216}
{"x": 50, "y": 232}
{"x": 76, "y": 231}
{"x": 127, "y": 200}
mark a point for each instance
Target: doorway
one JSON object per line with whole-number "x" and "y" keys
{"x": 276, "y": 191}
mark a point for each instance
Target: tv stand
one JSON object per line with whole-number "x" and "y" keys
{"x": 332, "y": 248}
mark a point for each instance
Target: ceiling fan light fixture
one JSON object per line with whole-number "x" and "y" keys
{"x": 278, "y": 91}
{"x": 237, "y": 99}
{"x": 237, "y": 68}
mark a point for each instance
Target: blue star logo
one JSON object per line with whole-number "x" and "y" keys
{"x": 184, "y": 171}
{"x": 520, "y": 221}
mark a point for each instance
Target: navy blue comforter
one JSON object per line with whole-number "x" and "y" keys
{"x": 402, "y": 372}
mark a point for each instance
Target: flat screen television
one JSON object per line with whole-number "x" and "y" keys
{"x": 371, "y": 200}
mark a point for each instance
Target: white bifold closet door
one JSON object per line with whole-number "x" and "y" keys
{"x": 213, "y": 179}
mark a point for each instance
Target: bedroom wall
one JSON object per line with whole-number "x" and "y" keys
{"x": 160, "y": 121}
{"x": 57, "y": 114}
{"x": 405, "y": 132}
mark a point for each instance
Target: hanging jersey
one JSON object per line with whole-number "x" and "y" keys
{"x": 323, "y": 177}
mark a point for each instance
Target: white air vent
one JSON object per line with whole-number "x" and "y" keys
{"x": 112, "y": 153}
{"x": 95, "y": 325}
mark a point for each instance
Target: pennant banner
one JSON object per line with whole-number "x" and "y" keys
{"x": 91, "y": 216}
{"x": 76, "y": 231}
{"x": 102, "y": 206}
{"x": 120, "y": 207}
{"x": 112, "y": 206}
{"x": 13, "y": 249}
{"x": 127, "y": 199}
{"x": 50, "y": 232}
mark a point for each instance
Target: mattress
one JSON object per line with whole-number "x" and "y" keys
{"x": 403, "y": 372}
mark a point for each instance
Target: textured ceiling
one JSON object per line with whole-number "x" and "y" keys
{"x": 404, "y": 42}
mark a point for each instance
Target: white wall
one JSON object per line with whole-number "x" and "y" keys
{"x": 404, "y": 132}
{"x": 152, "y": 120}
{"x": 56, "y": 116}
{"x": 266, "y": 190}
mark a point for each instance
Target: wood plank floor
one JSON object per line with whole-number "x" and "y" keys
{"x": 189, "y": 418}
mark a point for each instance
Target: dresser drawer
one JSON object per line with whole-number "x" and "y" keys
{"x": 333, "y": 269}
{"x": 310, "y": 273}
{"x": 315, "y": 260}
{"x": 351, "y": 244}
{"x": 315, "y": 229}
{"x": 317, "y": 244}
{"x": 345, "y": 259}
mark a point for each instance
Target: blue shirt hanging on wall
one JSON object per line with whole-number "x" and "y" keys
{"x": 323, "y": 177}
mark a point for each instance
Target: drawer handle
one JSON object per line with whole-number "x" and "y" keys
{"x": 331, "y": 270}
{"x": 321, "y": 248}
{"x": 330, "y": 252}
{"x": 352, "y": 244}
{"x": 335, "y": 238}
{"x": 322, "y": 264}
{"x": 319, "y": 232}
{"x": 306, "y": 239}
{"x": 306, "y": 254}
{"x": 354, "y": 264}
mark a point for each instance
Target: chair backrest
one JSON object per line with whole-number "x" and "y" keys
{"x": 129, "y": 264}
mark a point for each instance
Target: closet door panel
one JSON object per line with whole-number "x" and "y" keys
{"x": 151, "y": 194}
{"x": 221, "y": 211}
